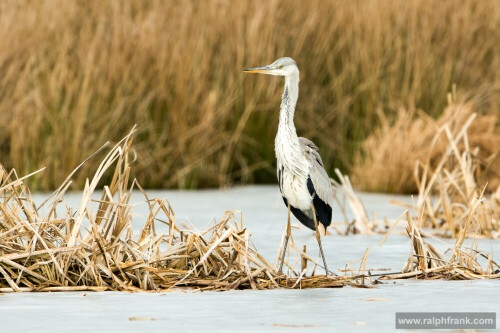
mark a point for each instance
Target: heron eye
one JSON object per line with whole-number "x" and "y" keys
{"x": 281, "y": 66}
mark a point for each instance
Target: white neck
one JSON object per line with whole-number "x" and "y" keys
{"x": 287, "y": 108}
{"x": 287, "y": 146}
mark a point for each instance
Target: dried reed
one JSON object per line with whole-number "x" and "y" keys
{"x": 387, "y": 161}
{"x": 453, "y": 159}
{"x": 452, "y": 188}
{"x": 361, "y": 223}
{"x": 76, "y": 73}
{"x": 51, "y": 247}
{"x": 94, "y": 247}
{"x": 464, "y": 263}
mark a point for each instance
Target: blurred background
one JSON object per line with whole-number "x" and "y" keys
{"x": 375, "y": 75}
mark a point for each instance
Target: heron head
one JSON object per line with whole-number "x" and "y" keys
{"x": 282, "y": 67}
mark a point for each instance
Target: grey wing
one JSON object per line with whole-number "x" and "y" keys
{"x": 317, "y": 173}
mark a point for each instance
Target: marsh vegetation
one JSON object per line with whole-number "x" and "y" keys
{"x": 51, "y": 246}
{"x": 76, "y": 74}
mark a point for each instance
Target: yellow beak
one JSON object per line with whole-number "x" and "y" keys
{"x": 263, "y": 70}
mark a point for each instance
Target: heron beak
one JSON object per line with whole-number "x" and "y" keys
{"x": 262, "y": 70}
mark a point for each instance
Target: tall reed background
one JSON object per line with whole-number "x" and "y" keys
{"x": 74, "y": 74}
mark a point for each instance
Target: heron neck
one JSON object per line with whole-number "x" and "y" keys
{"x": 287, "y": 145}
{"x": 287, "y": 108}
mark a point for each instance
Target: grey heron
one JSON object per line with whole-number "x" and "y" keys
{"x": 303, "y": 181}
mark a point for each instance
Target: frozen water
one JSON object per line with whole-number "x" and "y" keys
{"x": 264, "y": 214}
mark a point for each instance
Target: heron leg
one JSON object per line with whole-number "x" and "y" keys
{"x": 287, "y": 236}
{"x": 318, "y": 238}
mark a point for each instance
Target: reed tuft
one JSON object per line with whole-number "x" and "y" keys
{"x": 76, "y": 73}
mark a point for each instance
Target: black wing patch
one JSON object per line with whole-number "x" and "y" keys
{"x": 303, "y": 218}
{"x": 323, "y": 210}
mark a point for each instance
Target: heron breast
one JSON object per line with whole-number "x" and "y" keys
{"x": 295, "y": 191}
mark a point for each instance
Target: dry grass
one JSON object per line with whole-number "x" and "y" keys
{"x": 52, "y": 247}
{"x": 452, "y": 162}
{"x": 463, "y": 263}
{"x": 389, "y": 156}
{"x": 452, "y": 193}
{"x": 75, "y": 73}
{"x": 361, "y": 224}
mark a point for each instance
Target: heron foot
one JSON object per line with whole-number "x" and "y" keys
{"x": 281, "y": 276}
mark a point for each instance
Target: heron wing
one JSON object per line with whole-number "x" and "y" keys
{"x": 319, "y": 180}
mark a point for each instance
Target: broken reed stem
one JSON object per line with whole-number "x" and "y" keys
{"x": 452, "y": 189}
{"x": 96, "y": 249}
{"x": 303, "y": 262}
{"x": 426, "y": 262}
{"x": 456, "y": 157}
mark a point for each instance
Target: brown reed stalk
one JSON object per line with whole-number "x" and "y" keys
{"x": 94, "y": 246}
{"x": 464, "y": 263}
{"x": 76, "y": 73}
{"x": 388, "y": 157}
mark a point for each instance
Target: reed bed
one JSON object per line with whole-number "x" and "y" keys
{"x": 453, "y": 184}
{"x": 386, "y": 162}
{"x": 456, "y": 169}
{"x": 52, "y": 247}
{"x": 76, "y": 73}
{"x": 463, "y": 262}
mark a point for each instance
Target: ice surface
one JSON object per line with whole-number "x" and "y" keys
{"x": 326, "y": 310}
